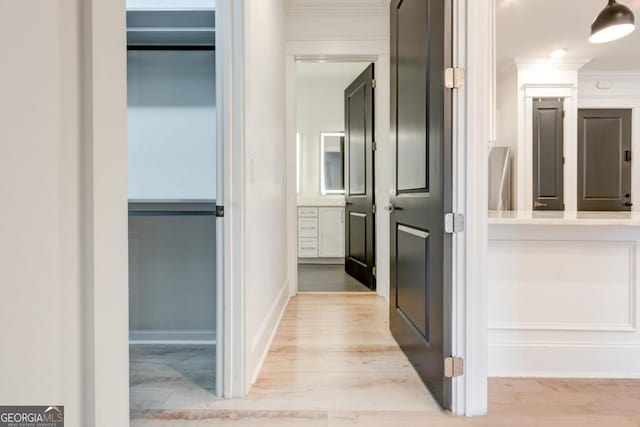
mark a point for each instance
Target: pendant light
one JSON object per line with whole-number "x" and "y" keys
{"x": 613, "y": 22}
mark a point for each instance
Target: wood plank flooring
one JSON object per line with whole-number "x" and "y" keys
{"x": 334, "y": 363}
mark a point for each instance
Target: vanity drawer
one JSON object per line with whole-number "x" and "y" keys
{"x": 308, "y": 212}
{"x": 307, "y": 227}
{"x": 307, "y": 248}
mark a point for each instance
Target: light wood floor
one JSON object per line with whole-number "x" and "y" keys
{"x": 334, "y": 363}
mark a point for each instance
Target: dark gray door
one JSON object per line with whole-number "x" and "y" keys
{"x": 548, "y": 154}
{"x": 360, "y": 222}
{"x": 604, "y": 160}
{"x": 420, "y": 300}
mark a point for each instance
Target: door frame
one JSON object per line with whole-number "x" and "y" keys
{"x": 105, "y": 345}
{"x": 376, "y": 52}
{"x": 473, "y": 124}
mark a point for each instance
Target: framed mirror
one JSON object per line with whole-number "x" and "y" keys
{"x": 332, "y": 163}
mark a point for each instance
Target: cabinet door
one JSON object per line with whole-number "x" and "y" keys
{"x": 331, "y": 232}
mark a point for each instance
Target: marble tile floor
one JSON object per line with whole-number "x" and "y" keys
{"x": 327, "y": 278}
{"x": 171, "y": 376}
{"x": 334, "y": 363}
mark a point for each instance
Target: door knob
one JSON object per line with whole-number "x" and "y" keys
{"x": 392, "y": 208}
{"x": 628, "y": 204}
{"x": 540, "y": 205}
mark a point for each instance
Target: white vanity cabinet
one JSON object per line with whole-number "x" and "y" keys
{"x": 320, "y": 232}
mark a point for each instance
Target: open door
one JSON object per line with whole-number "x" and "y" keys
{"x": 420, "y": 297}
{"x": 359, "y": 185}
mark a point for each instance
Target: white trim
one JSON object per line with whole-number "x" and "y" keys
{"x": 270, "y": 323}
{"x": 532, "y": 359}
{"x": 231, "y": 331}
{"x": 105, "y": 379}
{"x": 474, "y": 122}
{"x": 566, "y": 327}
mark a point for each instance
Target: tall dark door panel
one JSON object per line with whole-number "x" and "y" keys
{"x": 548, "y": 154}
{"x": 420, "y": 305}
{"x": 359, "y": 183}
{"x": 604, "y": 160}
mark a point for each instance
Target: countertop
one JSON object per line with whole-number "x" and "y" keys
{"x": 631, "y": 219}
{"x": 322, "y": 202}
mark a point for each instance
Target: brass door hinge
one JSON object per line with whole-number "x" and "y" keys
{"x": 374, "y": 83}
{"x": 453, "y": 78}
{"x": 375, "y": 271}
{"x": 374, "y": 146}
{"x": 453, "y": 367}
{"x": 374, "y": 209}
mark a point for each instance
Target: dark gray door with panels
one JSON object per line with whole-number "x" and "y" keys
{"x": 420, "y": 294}
{"x": 548, "y": 154}
{"x": 604, "y": 160}
{"x": 359, "y": 179}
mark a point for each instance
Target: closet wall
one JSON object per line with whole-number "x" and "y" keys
{"x": 172, "y": 128}
{"x": 172, "y": 177}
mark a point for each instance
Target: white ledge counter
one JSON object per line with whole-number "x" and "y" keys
{"x": 631, "y": 219}
{"x": 563, "y": 294}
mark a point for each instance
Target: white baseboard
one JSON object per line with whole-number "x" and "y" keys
{"x": 261, "y": 342}
{"x": 189, "y": 337}
{"x": 564, "y": 360}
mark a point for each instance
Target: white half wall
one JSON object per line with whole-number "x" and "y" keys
{"x": 563, "y": 301}
{"x": 265, "y": 274}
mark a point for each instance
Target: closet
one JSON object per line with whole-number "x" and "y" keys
{"x": 172, "y": 199}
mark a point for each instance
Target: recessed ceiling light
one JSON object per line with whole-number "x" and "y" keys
{"x": 558, "y": 53}
{"x": 613, "y": 22}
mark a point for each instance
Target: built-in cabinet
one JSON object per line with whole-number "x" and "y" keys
{"x": 320, "y": 232}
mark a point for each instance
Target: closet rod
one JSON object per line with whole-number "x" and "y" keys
{"x": 169, "y": 47}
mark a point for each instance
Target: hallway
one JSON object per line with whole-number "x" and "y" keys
{"x": 333, "y": 362}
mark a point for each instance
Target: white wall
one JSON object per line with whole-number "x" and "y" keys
{"x": 319, "y": 108}
{"x": 172, "y": 294}
{"x": 171, "y": 125}
{"x": 266, "y": 291}
{"x": 40, "y": 220}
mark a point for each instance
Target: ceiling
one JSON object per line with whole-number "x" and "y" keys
{"x": 532, "y": 29}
